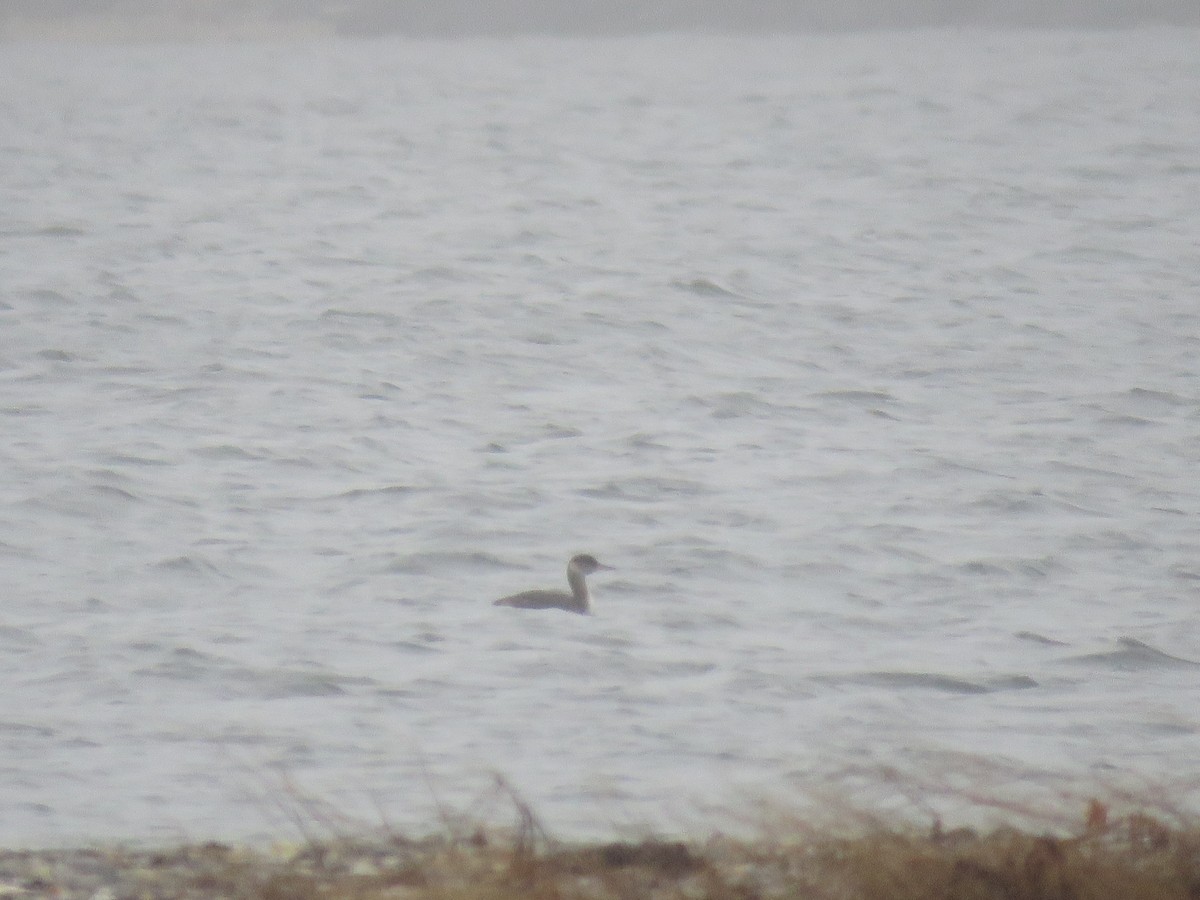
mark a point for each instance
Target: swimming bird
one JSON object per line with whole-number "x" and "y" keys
{"x": 576, "y": 601}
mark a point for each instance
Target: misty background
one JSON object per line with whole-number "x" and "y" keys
{"x": 266, "y": 18}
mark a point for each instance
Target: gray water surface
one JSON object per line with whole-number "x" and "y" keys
{"x": 870, "y": 361}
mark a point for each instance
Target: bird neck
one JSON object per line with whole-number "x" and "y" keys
{"x": 578, "y": 586}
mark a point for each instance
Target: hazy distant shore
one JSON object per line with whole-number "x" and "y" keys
{"x": 134, "y": 20}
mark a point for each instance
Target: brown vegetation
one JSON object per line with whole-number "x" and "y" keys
{"x": 1133, "y": 856}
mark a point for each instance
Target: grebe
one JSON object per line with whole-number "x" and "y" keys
{"x": 576, "y": 601}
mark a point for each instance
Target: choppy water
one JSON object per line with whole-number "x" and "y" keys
{"x": 870, "y": 361}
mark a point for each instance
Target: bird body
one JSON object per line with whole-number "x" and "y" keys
{"x": 577, "y": 601}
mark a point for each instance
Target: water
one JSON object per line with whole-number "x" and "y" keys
{"x": 869, "y": 360}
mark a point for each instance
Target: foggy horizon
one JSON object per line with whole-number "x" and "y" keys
{"x": 451, "y": 18}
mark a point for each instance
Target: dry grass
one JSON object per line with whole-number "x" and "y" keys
{"x": 1106, "y": 856}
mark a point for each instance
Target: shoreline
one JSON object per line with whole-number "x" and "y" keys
{"x": 1148, "y": 856}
